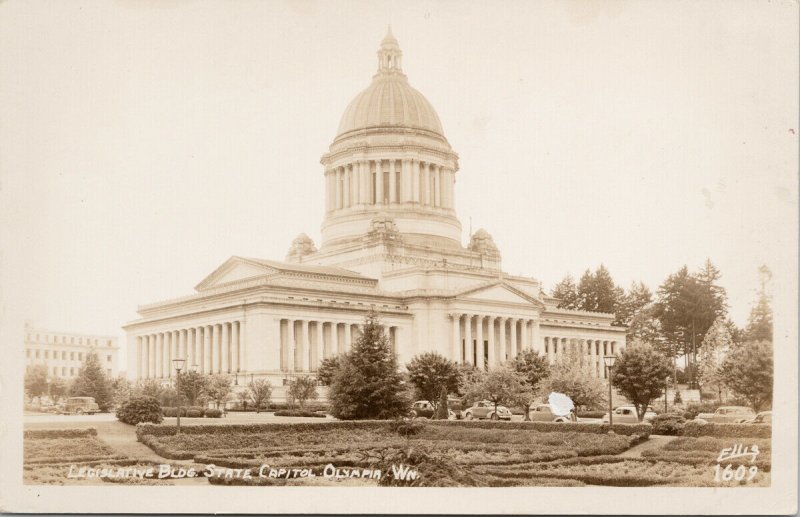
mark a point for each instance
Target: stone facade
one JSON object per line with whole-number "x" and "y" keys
{"x": 63, "y": 353}
{"x": 391, "y": 241}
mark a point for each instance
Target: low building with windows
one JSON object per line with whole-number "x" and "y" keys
{"x": 63, "y": 353}
{"x": 392, "y": 242}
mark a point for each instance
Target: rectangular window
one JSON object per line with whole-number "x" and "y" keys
{"x": 80, "y": 356}
{"x": 72, "y": 356}
{"x": 47, "y": 354}
{"x": 64, "y": 370}
{"x": 71, "y": 370}
{"x": 37, "y": 354}
{"x": 28, "y": 352}
{"x": 108, "y": 358}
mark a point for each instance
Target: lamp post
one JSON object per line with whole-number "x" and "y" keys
{"x": 178, "y": 367}
{"x": 666, "y": 390}
{"x": 610, "y": 360}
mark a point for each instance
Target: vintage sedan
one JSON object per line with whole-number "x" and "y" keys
{"x": 765, "y": 417}
{"x": 80, "y": 406}
{"x": 424, "y": 409}
{"x": 727, "y": 415}
{"x": 627, "y": 415}
{"x": 485, "y": 409}
{"x": 543, "y": 413}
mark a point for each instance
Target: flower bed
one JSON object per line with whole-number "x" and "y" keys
{"x": 300, "y": 412}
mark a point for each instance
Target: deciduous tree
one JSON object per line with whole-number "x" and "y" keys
{"x": 502, "y": 385}
{"x": 574, "y": 377}
{"x": 717, "y": 343}
{"x": 260, "y": 391}
{"x": 303, "y": 389}
{"x": 191, "y": 385}
{"x": 36, "y": 380}
{"x": 639, "y": 375}
{"x": 532, "y": 369}
{"x": 218, "y": 389}
{"x": 429, "y": 373}
{"x": 748, "y": 372}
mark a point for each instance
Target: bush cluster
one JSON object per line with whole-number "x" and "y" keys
{"x": 173, "y": 411}
{"x": 669, "y": 424}
{"x": 213, "y": 413}
{"x": 727, "y": 430}
{"x": 695, "y": 408}
{"x": 406, "y": 428}
{"x": 299, "y": 412}
{"x": 139, "y": 410}
{"x": 59, "y": 433}
{"x": 549, "y": 427}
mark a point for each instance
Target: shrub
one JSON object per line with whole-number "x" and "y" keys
{"x": 591, "y": 414}
{"x": 728, "y": 430}
{"x": 695, "y": 408}
{"x": 59, "y": 433}
{"x": 668, "y": 423}
{"x": 173, "y": 411}
{"x": 678, "y": 399}
{"x": 194, "y": 412}
{"x": 406, "y": 428}
{"x": 213, "y": 413}
{"x": 299, "y": 412}
{"x": 140, "y": 409}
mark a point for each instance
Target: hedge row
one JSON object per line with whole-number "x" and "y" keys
{"x": 60, "y": 433}
{"x": 344, "y": 425}
{"x": 727, "y": 430}
{"x": 299, "y": 412}
{"x": 550, "y": 427}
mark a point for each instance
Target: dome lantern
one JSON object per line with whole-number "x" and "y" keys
{"x": 389, "y": 55}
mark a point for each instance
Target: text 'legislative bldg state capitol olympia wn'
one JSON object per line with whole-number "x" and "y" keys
{"x": 391, "y": 241}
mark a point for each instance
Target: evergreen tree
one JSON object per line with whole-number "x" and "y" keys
{"x": 327, "y": 369}
{"x": 367, "y": 384}
{"x": 567, "y": 293}
{"x": 93, "y": 382}
{"x": 637, "y": 299}
{"x": 759, "y": 324}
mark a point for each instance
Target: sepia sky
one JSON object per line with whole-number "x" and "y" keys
{"x": 145, "y": 142}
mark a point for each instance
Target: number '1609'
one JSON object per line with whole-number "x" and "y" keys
{"x": 729, "y": 474}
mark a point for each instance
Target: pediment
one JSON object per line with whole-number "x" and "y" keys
{"x": 499, "y": 292}
{"x": 233, "y": 270}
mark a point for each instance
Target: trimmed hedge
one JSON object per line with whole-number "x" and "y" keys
{"x": 140, "y": 409}
{"x": 591, "y": 414}
{"x": 60, "y": 433}
{"x": 670, "y": 424}
{"x": 310, "y": 406}
{"x": 643, "y": 430}
{"x": 173, "y": 411}
{"x": 727, "y": 430}
{"x": 194, "y": 412}
{"x": 300, "y": 412}
{"x": 213, "y": 413}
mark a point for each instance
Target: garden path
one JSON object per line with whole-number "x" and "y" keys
{"x": 655, "y": 440}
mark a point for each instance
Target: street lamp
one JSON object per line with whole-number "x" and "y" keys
{"x": 610, "y": 360}
{"x": 178, "y": 367}
{"x": 195, "y": 367}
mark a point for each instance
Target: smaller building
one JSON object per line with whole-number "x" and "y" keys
{"x": 65, "y": 352}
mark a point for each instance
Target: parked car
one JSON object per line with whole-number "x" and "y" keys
{"x": 627, "y": 415}
{"x": 485, "y": 409}
{"x": 543, "y": 413}
{"x": 424, "y": 409}
{"x": 456, "y": 407}
{"x": 81, "y": 406}
{"x": 727, "y": 415}
{"x": 765, "y": 417}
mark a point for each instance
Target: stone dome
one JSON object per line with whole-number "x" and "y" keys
{"x": 389, "y": 101}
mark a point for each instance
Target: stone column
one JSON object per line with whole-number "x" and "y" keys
{"x": 535, "y": 338}
{"x": 479, "y": 359}
{"x": 426, "y": 184}
{"x": 335, "y": 338}
{"x": 348, "y": 337}
{"x": 437, "y": 186}
{"x": 150, "y": 356}
{"x": 346, "y": 187}
{"x": 468, "y": 345}
{"x": 319, "y": 347}
{"x": 306, "y": 345}
{"x": 513, "y": 337}
{"x": 415, "y": 177}
{"x": 235, "y": 365}
{"x": 593, "y": 357}
{"x": 456, "y": 337}
{"x": 224, "y": 349}
{"x": 503, "y": 350}
{"x": 392, "y": 182}
{"x": 290, "y": 345}
{"x": 492, "y": 355}
{"x": 339, "y": 188}
{"x": 207, "y": 343}
{"x": 159, "y": 355}
{"x": 380, "y": 199}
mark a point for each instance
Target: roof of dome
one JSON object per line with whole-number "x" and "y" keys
{"x": 389, "y": 101}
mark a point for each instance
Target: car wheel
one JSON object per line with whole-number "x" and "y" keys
{"x": 468, "y": 416}
{"x": 494, "y": 416}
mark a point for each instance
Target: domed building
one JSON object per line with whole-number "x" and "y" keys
{"x": 391, "y": 241}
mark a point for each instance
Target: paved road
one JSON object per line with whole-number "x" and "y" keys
{"x": 78, "y": 421}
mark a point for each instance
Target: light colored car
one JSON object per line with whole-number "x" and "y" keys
{"x": 627, "y": 415}
{"x": 81, "y": 406}
{"x": 485, "y": 409}
{"x": 424, "y": 409}
{"x": 765, "y": 417}
{"x": 727, "y": 415}
{"x": 543, "y": 413}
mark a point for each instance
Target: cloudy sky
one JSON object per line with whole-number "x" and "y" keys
{"x": 145, "y": 142}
